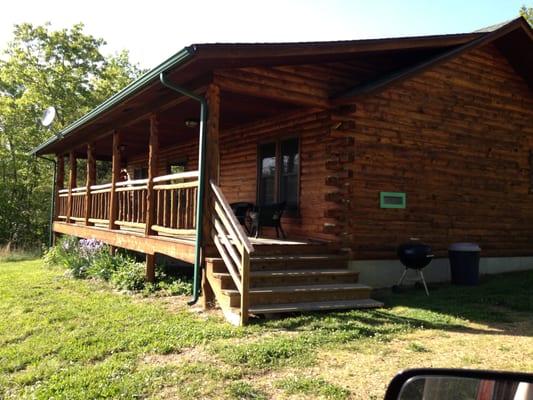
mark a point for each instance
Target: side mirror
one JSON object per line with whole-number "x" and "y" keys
{"x": 460, "y": 384}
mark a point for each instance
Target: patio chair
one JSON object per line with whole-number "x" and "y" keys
{"x": 241, "y": 210}
{"x": 269, "y": 216}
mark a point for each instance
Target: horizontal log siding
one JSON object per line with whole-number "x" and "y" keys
{"x": 185, "y": 151}
{"x": 238, "y": 171}
{"x": 457, "y": 139}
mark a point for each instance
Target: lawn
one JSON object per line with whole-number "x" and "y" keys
{"x": 77, "y": 339}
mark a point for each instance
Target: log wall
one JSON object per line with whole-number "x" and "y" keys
{"x": 238, "y": 170}
{"x": 457, "y": 139}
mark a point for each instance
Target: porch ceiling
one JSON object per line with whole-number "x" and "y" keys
{"x": 236, "y": 109}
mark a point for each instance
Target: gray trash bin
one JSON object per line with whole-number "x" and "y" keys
{"x": 464, "y": 263}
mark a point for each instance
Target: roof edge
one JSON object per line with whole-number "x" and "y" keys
{"x": 381, "y": 84}
{"x": 180, "y": 57}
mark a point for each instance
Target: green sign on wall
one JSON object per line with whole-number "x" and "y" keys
{"x": 392, "y": 200}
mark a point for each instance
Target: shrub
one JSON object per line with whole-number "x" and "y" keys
{"x": 87, "y": 258}
{"x": 130, "y": 276}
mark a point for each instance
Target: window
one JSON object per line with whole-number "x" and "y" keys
{"x": 140, "y": 173}
{"x": 278, "y": 175}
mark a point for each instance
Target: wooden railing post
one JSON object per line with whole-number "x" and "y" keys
{"x": 115, "y": 176}
{"x": 245, "y": 282}
{"x": 60, "y": 182}
{"x": 71, "y": 182}
{"x": 91, "y": 178}
{"x": 153, "y": 156}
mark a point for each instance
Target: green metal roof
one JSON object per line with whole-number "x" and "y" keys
{"x": 177, "y": 59}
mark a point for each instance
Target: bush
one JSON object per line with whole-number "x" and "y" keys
{"x": 130, "y": 276}
{"x": 90, "y": 258}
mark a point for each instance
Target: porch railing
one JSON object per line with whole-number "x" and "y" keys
{"x": 100, "y": 197}
{"x": 175, "y": 198}
{"x": 132, "y": 203}
{"x": 233, "y": 245}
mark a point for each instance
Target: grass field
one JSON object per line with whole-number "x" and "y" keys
{"x": 69, "y": 339}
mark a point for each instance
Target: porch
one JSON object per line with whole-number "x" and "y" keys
{"x": 146, "y": 206}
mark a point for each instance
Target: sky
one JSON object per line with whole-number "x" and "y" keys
{"x": 153, "y": 30}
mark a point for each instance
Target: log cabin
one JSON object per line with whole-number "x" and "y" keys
{"x": 365, "y": 143}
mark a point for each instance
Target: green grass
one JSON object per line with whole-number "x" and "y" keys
{"x": 313, "y": 386}
{"x": 75, "y": 339}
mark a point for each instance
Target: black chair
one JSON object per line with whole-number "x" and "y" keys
{"x": 241, "y": 211}
{"x": 268, "y": 216}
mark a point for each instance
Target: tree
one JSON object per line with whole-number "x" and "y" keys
{"x": 43, "y": 67}
{"x": 527, "y": 13}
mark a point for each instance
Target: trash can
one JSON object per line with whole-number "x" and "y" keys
{"x": 464, "y": 263}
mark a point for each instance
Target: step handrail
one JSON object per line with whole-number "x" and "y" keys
{"x": 233, "y": 246}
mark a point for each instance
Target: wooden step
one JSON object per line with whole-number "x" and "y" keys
{"x": 300, "y": 293}
{"x": 292, "y": 277}
{"x": 295, "y": 248}
{"x": 288, "y": 262}
{"x": 314, "y": 306}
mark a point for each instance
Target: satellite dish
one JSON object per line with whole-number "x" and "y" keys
{"x": 48, "y": 116}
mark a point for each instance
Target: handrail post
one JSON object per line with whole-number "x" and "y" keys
{"x": 115, "y": 175}
{"x": 91, "y": 177}
{"x": 245, "y": 283}
{"x": 71, "y": 183}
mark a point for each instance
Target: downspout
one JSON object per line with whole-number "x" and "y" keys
{"x": 201, "y": 180}
{"x": 52, "y": 203}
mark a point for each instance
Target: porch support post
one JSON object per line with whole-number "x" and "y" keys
{"x": 212, "y": 172}
{"x": 115, "y": 176}
{"x": 91, "y": 178}
{"x": 153, "y": 158}
{"x": 71, "y": 182}
{"x": 212, "y": 159}
{"x": 60, "y": 181}
{"x": 59, "y": 184}
{"x": 150, "y": 267}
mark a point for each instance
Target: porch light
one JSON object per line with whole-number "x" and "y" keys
{"x": 191, "y": 123}
{"x": 122, "y": 148}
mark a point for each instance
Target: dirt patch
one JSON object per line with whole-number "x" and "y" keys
{"x": 190, "y": 355}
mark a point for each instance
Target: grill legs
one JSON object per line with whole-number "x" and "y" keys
{"x": 420, "y": 278}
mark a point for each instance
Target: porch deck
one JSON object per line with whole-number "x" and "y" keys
{"x": 244, "y": 275}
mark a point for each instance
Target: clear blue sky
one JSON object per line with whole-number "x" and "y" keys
{"x": 155, "y": 29}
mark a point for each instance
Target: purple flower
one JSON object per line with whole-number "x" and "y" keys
{"x": 89, "y": 247}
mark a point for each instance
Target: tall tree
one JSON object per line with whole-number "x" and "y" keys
{"x": 527, "y": 13}
{"x": 42, "y": 67}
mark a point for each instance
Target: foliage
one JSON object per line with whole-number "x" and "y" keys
{"x": 244, "y": 391}
{"x": 313, "y": 386}
{"x": 129, "y": 277}
{"x": 90, "y": 258}
{"x": 527, "y": 13}
{"x": 42, "y": 67}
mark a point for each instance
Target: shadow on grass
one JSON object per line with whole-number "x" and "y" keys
{"x": 498, "y": 301}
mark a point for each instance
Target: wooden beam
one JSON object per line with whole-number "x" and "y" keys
{"x": 71, "y": 182}
{"x": 91, "y": 180}
{"x": 153, "y": 156}
{"x": 150, "y": 268}
{"x": 177, "y": 248}
{"x": 115, "y": 176}
{"x": 212, "y": 158}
